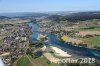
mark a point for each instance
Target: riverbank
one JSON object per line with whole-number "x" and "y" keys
{"x": 59, "y": 52}
{"x": 86, "y": 52}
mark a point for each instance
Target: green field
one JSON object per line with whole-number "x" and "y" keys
{"x": 89, "y": 28}
{"x": 43, "y": 62}
{"x": 95, "y": 29}
{"x": 94, "y": 41}
{"x": 24, "y": 61}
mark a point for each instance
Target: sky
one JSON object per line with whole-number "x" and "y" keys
{"x": 7, "y": 6}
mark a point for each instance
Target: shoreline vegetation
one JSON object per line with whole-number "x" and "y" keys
{"x": 92, "y": 40}
{"x": 77, "y": 32}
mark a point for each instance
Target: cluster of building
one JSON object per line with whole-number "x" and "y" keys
{"x": 46, "y": 26}
{"x": 15, "y": 42}
{"x": 13, "y": 20}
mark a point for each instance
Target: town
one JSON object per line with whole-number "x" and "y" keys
{"x": 27, "y": 40}
{"x": 13, "y": 41}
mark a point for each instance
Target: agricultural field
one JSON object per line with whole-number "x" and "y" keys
{"x": 29, "y": 61}
{"x": 43, "y": 62}
{"x": 89, "y": 29}
{"x": 24, "y": 61}
{"x": 94, "y": 41}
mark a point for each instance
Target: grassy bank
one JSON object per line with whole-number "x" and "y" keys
{"x": 24, "y": 61}
{"x": 94, "y": 41}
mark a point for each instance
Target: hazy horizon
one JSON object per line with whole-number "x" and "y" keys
{"x": 13, "y": 6}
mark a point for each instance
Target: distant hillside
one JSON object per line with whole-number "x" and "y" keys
{"x": 4, "y": 17}
{"x": 23, "y": 14}
{"x": 36, "y": 14}
{"x": 81, "y": 16}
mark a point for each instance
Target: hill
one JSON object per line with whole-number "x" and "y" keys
{"x": 80, "y": 16}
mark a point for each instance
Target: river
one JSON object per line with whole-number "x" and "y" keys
{"x": 74, "y": 50}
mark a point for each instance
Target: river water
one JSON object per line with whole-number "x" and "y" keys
{"x": 74, "y": 50}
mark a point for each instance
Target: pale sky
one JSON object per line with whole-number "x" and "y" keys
{"x": 48, "y": 5}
